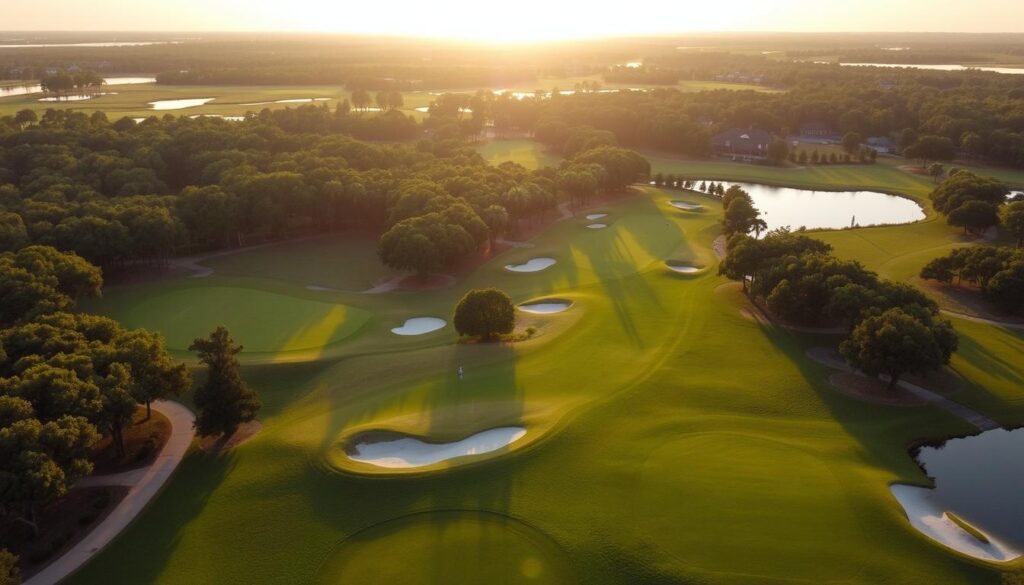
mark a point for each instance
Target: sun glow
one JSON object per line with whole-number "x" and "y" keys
{"x": 517, "y": 21}
{"x": 521, "y": 21}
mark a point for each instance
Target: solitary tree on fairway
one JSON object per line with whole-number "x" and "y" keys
{"x": 897, "y": 342}
{"x": 484, "y": 313}
{"x": 224, "y": 401}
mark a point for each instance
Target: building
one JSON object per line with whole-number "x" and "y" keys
{"x": 882, "y": 144}
{"x": 817, "y": 130}
{"x": 752, "y": 142}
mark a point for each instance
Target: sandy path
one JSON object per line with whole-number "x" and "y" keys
{"x": 144, "y": 484}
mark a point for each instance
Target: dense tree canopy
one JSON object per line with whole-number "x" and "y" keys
{"x": 896, "y": 342}
{"x": 65, "y": 378}
{"x": 995, "y": 270}
{"x": 484, "y": 313}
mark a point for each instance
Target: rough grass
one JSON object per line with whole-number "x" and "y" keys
{"x": 676, "y": 440}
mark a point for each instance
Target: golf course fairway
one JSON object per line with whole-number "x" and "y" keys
{"x": 670, "y": 438}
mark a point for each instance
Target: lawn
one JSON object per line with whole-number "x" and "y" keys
{"x": 521, "y": 151}
{"x": 669, "y": 439}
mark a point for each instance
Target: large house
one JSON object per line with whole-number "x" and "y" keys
{"x": 751, "y": 142}
{"x": 818, "y": 130}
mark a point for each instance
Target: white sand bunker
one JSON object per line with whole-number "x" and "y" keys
{"x": 179, "y": 104}
{"x": 533, "y": 265}
{"x": 594, "y": 216}
{"x": 597, "y": 226}
{"x": 407, "y": 452}
{"x": 928, "y": 516}
{"x": 682, "y": 268}
{"x": 419, "y": 326}
{"x": 545, "y": 306}
{"x": 685, "y": 206}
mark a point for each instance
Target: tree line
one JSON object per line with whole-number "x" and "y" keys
{"x": 892, "y": 328}
{"x": 997, "y": 271}
{"x": 67, "y": 378}
{"x": 119, "y": 193}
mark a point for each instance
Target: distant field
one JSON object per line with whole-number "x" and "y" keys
{"x": 522, "y": 151}
{"x": 231, "y": 100}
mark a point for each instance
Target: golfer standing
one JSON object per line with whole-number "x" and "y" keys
{"x": 460, "y": 371}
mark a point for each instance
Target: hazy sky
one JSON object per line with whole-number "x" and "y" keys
{"x": 516, "y": 19}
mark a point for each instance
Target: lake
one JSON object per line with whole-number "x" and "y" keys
{"x": 30, "y": 88}
{"x": 981, "y": 479}
{"x": 786, "y": 206}
{"x": 946, "y": 67}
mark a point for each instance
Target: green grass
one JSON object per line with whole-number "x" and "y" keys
{"x": 521, "y": 151}
{"x": 342, "y": 262}
{"x": 670, "y": 439}
{"x": 265, "y": 322}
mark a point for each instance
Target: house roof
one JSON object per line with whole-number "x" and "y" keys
{"x": 739, "y": 135}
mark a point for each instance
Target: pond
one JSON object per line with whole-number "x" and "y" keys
{"x": 981, "y": 479}
{"x": 221, "y": 116}
{"x": 180, "y": 104}
{"x": 76, "y": 98}
{"x": 943, "y": 67}
{"x": 88, "y": 45}
{"x": 30, "y": 88}
{"x": 786, "y": 206}
{"x": 426, "y": 110}
{"x": 289, "y": 101}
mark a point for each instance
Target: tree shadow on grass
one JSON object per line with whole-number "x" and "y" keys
{"x": 154, "y": 535}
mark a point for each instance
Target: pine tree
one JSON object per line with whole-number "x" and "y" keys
{"x": 224, "y": 401}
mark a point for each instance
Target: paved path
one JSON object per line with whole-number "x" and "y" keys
{"x": 719, "y": 245}
{"x": 972, "y": 318}
{"x": 823, "y": 356}
{"x": 143, "y": 484}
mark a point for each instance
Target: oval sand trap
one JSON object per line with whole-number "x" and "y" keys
{"x": 685, "y": 206}
{"x": 533, "y": 265}
{"x": 419, "y": 326}
{"x": 597, "y": 226}
{"x": 407, "y": 452}
{"x": 545, "y": 306}
{"x": 682, "y": 268}
{"x": 594, "y": 216}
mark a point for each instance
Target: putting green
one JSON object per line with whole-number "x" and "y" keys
{"x": 264, "y": 322}
{"x": 447, "y": 547}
